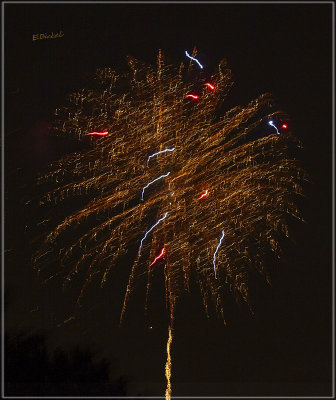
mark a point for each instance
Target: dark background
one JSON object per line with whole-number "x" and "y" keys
{"x": 285, "y": 348}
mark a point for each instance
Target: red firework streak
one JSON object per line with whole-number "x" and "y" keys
{"x": 158, "y": 257}
{"x": 194, "y": 96}
{"x": 212, "y": 87}
{"x": 284, "y": 126}
{"x": 205, "y": 193}
{"x": 98, "y": 133}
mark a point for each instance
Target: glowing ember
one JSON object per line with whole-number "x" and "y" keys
{"x": 206, "y": 192}
{"x": 158, "y": 257}
{"x": 98, "y": 133}
{"x": 212, "y": 87}
{"x": 194, "y": 96}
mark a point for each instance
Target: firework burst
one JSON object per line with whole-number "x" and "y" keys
{"x": 167, "y": 170}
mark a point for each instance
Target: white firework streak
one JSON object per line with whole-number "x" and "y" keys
{"x": 148, "y": 184}
{"x": 272, "y": 124}
{"x": 215, "y": 253}
{"x": 159, "y": 152}
{"x": 161, "y": 219}
{"x": 187, "y": 54}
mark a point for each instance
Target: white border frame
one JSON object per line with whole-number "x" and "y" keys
{"x": 3, "y": 196}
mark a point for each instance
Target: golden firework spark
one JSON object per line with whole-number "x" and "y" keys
{"x": 166, "y": 171}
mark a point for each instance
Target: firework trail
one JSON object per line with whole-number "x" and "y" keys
{"x": 168, "y": 365}
{"x": 215, "y": 253}
{"x": 205, "y": 194}
{"x": 251, "y": 177}
{"x": 158, "y": 257}
{"x": 272, "y": 124}
{"x": 193, "y": 58}
{"x": 159, "y": 152}
{"x": 153, "y": 181}
{"x": 161, "y": 219}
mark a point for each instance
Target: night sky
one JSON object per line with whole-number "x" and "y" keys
{"x": 285, "y": 348}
